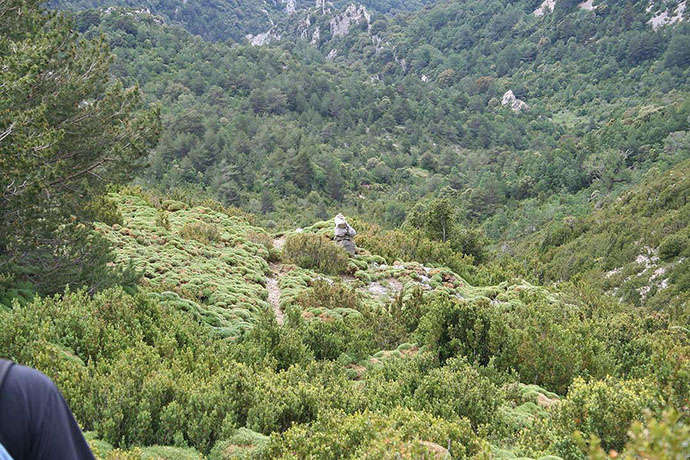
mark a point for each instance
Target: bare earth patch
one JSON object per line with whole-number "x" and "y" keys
{"x": 272, "y": 284}
{"x": 545, "y": 401}
{"x": 278, "y": 243}
{"x": 395, "y": 285}
{"x": 274, "y": 298}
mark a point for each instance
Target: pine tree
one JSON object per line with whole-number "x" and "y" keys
{"x": 65, "y": 131}
{"x": 303, "y": 171}
{"x": 335, "y": 186}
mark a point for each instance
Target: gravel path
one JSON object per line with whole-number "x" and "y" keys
{"x": 272, "y": 284}
{"x": 274, "y": 296}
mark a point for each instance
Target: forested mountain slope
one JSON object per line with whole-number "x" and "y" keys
{"x": 636, "y": 248}
{"x": 221, "y": 20}
{"x": 291, "y": 135}
{"x": 375, "y": 355}
{"x": 178, "y": 327}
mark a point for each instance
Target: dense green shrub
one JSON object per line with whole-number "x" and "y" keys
{"x": 172, "y": 205}
{"x": 669, "y": 363}
{"x": 470, "y": 329}
{"x": 201, "y": 232}
{"x": 665, "y": 437}
{"x": 403, "y": 434}
{"x": 606, "y": 408}
{"x": 243, "y": 444}
{"x": 297, "y": 395}
{"x": 274, "y": 346}
{"x": 662, "y": 438}
{"x": 524, "y": 330}
{"x": 329, "y": 295}
{"x": 672, "y": 245}
{"x": 315, "y": 252}
{"x": 457, "y": 389}
{"x": 12, "y": 290}
{"x": 130, "y": 367}
{"x": 410, "y": 246}
{"x": 331, "y": 338}
{"x": 106, "y": 210}
{"x": 162, "y": 219}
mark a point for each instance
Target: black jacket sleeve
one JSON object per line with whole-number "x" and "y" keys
{"x": 35, "y": 421}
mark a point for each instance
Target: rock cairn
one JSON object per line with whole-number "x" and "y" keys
{"x": 345, "y": 234}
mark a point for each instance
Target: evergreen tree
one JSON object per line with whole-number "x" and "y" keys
{"x": 64, "y": 131}
{"x": 303, "y": 171}
{"x": 439, "y": 221}
{"x": 267, "y": 200}
{"x": 678, "y": 52}
{"x": 334, "y": 182}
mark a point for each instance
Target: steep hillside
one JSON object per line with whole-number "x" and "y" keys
{"x": 221, "y": 20}
{"x": 374, "y": 355}
{"x": 498, "y": 38}
{"x": 179, "y": 328}
{"x": 636, "y": 248}
{"x": 288, "y": 133}
{"x": 262, "y": 128}
{"x": 195, "y": 258}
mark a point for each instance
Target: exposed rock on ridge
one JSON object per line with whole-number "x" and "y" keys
{"x": 664, "y": 18}
{"x": 546, "y": 6}
{"x": 516, "y": 105}
{"x": 302, "y": 24}
{"x": 264, "y": 38}
{"x": 353, "y": 14}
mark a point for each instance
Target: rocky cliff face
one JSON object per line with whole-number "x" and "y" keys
{"x": 264, "y": 38}
{"x": 516, "y": 105}
{"x": 664, "y": 15}
{"x": 546, "y": 7}
{"x": 663, "y": 12}
{"x": 353, "y": 14}
{"x": 290, "y": 7}
{"x": 306, "y": 24}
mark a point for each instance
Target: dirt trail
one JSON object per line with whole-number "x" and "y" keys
{"x": 274, "y": 297}
{"x": 278, "y": 243}
{"x": 273, "y": 284}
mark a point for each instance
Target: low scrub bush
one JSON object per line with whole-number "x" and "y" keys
{"x": 162, "y": 219}
{"x": 520, "y": 330}
{"x": 131, "y": 351}
{"x": 606, "y": 408}
{"x": 104, "y": 209}
{"x": 315, "y": 252}
{"x": 243, "y": 444}
{"x": 263, "y": 239}
{"x": 201, "y": 232}
{"x": 404, "y": 434}
{"x": 671, "y": 246}
{"x": 663, "y": 438}
{"x": 326, "y": 295}
{"x": 458, "y": 389}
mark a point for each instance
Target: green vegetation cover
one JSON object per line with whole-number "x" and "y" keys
{"x": 516, "y": 173}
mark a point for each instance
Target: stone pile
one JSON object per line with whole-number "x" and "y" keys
{"x": 345, "y": 234}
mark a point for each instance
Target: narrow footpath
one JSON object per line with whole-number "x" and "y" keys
{"x": 273, "y": 284}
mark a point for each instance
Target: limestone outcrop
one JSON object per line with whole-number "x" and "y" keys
{"x": 353, "y": 14}
{"x": 263, "y": 38}
{"x": 516, "y": 105}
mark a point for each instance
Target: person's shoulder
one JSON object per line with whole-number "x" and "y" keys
{"x": 27, "y": 380}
